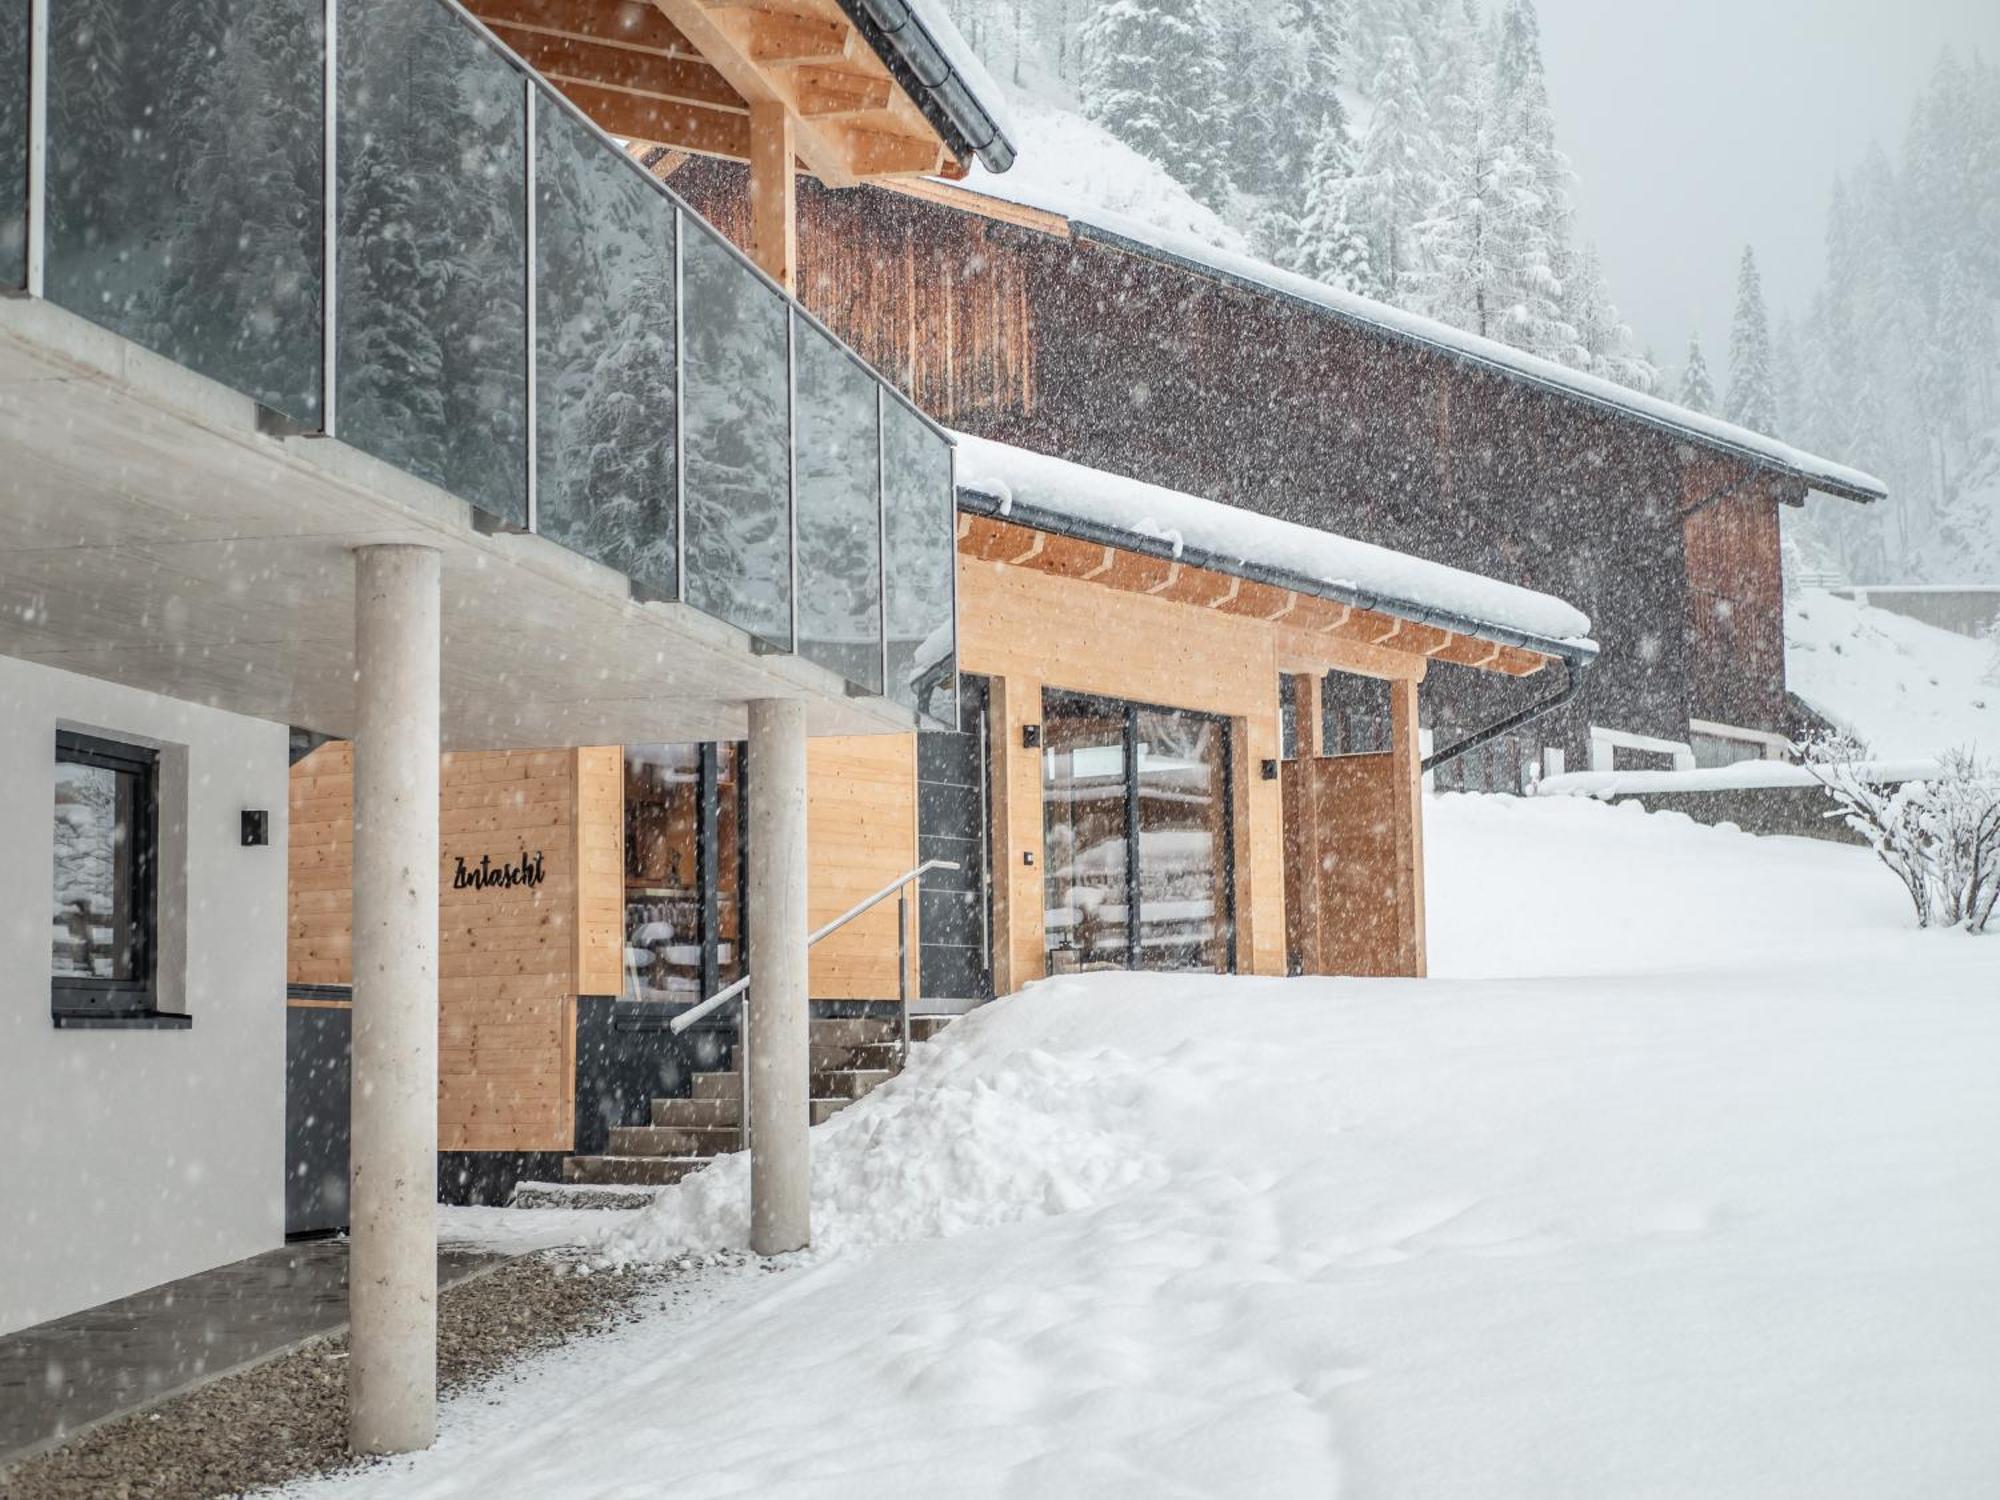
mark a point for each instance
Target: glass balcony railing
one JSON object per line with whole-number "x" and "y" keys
{"x": 373, "y": 219}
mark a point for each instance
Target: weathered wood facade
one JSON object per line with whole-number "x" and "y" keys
{"x": 1003, "y": 323}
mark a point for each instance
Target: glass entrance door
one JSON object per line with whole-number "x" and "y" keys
{"x": 1162, "y": 900}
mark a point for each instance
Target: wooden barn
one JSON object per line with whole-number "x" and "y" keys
{"x": 1097, "y": 340}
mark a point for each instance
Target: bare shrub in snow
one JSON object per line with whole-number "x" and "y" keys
{"x": 1940, "y": 836}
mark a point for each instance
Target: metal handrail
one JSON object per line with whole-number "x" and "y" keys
{"x": 723, "y": 996}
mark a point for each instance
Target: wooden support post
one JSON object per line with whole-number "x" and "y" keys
{"x": 1408, "y": 784}
{"x": 774, "y": 220}
{"x": 1311, "y": 719}
{"x": 1019, "y": 951}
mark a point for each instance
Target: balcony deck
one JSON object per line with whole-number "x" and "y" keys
{"x": 153, "y": 536}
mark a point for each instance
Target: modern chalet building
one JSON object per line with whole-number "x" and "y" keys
{"x": 309, "y": 430}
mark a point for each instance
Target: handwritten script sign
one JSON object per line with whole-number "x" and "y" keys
{"x": 523, "y": 872}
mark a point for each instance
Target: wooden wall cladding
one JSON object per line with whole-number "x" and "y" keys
{"x": 1025, "y": 629}
{"x": 1736, "y": 604}
{"x": 511, "y": 957}
{"x": 1344, "y": 878}
{"x": 861, "y": 833}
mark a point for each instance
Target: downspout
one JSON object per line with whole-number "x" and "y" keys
{"x": 1575, "y": 665}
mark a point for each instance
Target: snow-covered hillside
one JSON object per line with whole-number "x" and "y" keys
{"x": 1679, "y": 1184}
{"x": 1907, "y": 690}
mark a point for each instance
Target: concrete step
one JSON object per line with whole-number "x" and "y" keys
{"x": 825, "y": 1109}
{"x": 697, "y": 1113}
{"x": 853, "y": 1031}
{"x": 646, "y": 1171}
{"x": 579, "y": 1195}
{"x": 849, "y": 1083}
{"x": 829, "y": 1058}
{"x": 718, "y": 1086}
{"x": 674, "y": 1140}
{"x": 924, "y": 1028}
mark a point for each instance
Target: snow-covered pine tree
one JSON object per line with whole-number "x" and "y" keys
{"x": 1329, "y": 241}
{"x": 1697, "y": 392}
{"x": 1601, "y": 333}
{"x": 1152, "y": 78}
{"x": 1752, "y": 401}
{"x": 1398, "y": 172}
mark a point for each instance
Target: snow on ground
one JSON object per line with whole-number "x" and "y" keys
{"x": 1677, "y": 1182}
{"x": 1907, "y": 689}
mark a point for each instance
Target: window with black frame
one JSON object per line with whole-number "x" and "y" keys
{"x": 106, "y": 834}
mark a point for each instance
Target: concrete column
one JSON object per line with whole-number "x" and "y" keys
{"x": 775, "y": 912}
{"x": 392, "y": 1265}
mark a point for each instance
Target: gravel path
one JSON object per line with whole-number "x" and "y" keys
{"x": 287, "y": 1418}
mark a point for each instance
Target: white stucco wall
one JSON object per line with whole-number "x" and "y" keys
{"x": 128, "y": 1158}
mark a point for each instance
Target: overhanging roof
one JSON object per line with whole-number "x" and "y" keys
{"x": 1119, "y": 232}
{"x": 1067, "y": 499}
{"x": 875, "y": 88}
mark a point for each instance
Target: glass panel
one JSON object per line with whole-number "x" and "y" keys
{"x": 662, "y": 873}
{"x": 184, "y": 184}
{"x": 14, "y": 142}
{"x": 840, "y": 543}
{"x": 1184, "y": 897}
{"x": 604, "y": 374}
{"x": 1083, "y": 834}
{"x": 954, "y": 934}
{"x": 1288, "y": 716}
{"x": 920, "y": 518}
{"x": 433, "y": 366}
{"x": 98, "y": 926}
{"x": 683, "y": 871}
{"x": 738, "y": 440}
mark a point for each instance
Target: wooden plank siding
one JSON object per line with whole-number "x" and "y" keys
{"x": 861, "y": 833}
{"x": 511, "y": 962}
{"x": 1160, "y": 372}
{"x": 1025, "y": 630}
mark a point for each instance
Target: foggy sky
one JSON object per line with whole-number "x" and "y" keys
{"x": 1702, "y": 124}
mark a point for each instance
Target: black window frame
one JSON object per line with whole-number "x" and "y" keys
{"x": 82, "y": 1000}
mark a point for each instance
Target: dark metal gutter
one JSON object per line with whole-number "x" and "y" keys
{"x": 979, "y": 503}
{"x": 1084, "y": 229}
{"x": 1572, "y": 685}
{"x": 925, "y": 72}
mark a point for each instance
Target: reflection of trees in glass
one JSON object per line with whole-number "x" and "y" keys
{"x": 433, "y": 362}
{"x": 14, "y": 142}
{"x": 185, "y": 183}
{"x": 738, "y": 442}
{"x": 840, "y": 607}
{"x": 919, "y": 521}
{"x": 605, "y": 360}
{"x": 87, "y": 843}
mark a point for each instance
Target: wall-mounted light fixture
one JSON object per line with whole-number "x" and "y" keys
{"x": 256, "y": 828}
{"x": 1031, "y": 736}
{"x": 1270, "y": 770}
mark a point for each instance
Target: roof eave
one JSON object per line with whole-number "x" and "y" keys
{"x": 979, "y": 502}
{"x": 924, "y": 71}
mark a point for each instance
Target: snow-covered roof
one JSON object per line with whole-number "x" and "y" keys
{"x": 1744, "y": 776}
{"x": 1136, "y": 236}
{"x": 950, "y": 77}
{"x": 1055, "y": 494}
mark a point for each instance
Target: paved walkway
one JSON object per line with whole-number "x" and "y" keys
{"x": 59, "y": 1377}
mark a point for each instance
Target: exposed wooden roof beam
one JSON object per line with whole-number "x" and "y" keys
{"x": 824, "y": 91}
{"x": 631, "y": 25}
{"x": 660, "y": 122}
{"x": 570, "y": 59}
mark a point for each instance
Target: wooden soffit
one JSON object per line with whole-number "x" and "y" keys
{"x": 683, "y": 74}
{"x": 1302, "y": 617}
